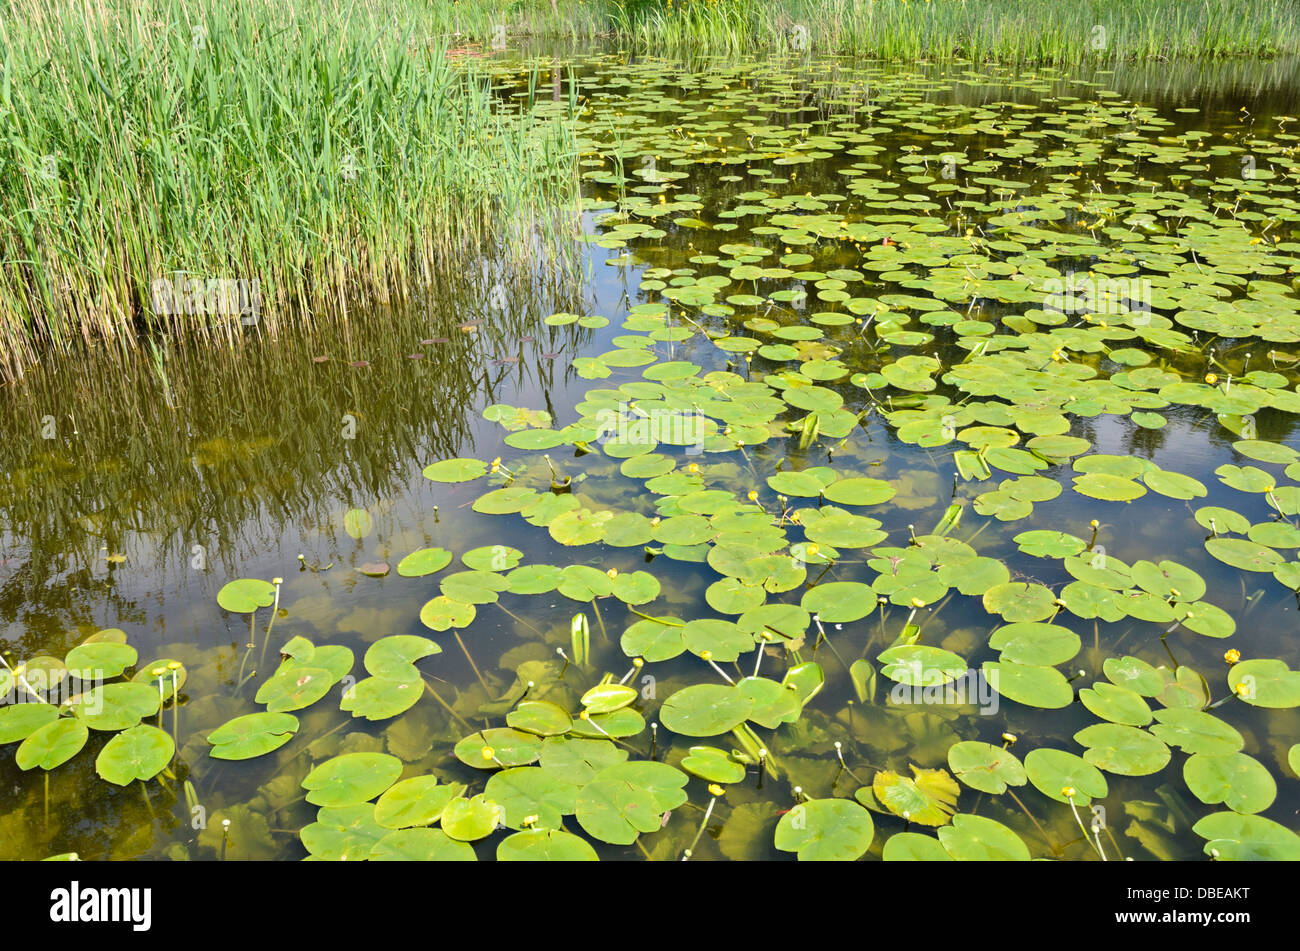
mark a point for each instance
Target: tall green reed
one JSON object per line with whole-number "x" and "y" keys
{"x": 325, "y": 149}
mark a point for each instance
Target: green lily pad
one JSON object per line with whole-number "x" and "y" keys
{"x": 1034, "y": 686}
{"x": 626, "y": 799}
{"x": 116, "y": 706}
{"x": 1054, "y": 772}
{"x": 394, "y": 657}
{"x": 100, "y": 660}
{"x": 839, "y": 602}
{"x": 420, "y": 845}
{"x": 826, "y": 830}
{"x": 246, "y": 595}
{"x": 977, "y": 839}
{"x": 417, "y": 801}
{"x": 500, "y": 747}
{"x": 705, "y": 710}
{"x": 1240, "y": 782}
{"x": 1116, "y": 704}
{"x": 1265, "y": 682}
{"x": 293, "y": 688}
{"x": 455, "y": 470}
{"x": 424, "y": 561}
{"x": 1020, "y": 601}
{"x": 53, "y": 744}
{"x": 540, "y": 717}
{"x": 545, "y": 845}
{"x": 1034, "y": 643}
{"x": 1124, "y": 750}
{"x": 468, "y": 820}
{"x": 713, "y": 765}
{"x": 351, "y": 779}
{"x": 141, "y": 752}
{"x": 251, "y": 735}
{"x": 532, "y": 796}
{"x": 985, "y": 767}
{"x": 1236, "y": 838}
{"x": 443, "y": 613}
{"x": 1195, "y": 731}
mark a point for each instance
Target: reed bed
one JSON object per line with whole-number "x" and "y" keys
{"x": 1043, "y": 32}
{"x": 312, "y": 152}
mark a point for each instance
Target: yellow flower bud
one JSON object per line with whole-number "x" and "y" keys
{"x": 1232, "y": 656}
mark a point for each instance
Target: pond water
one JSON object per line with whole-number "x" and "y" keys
{"x": 992, "y": 374}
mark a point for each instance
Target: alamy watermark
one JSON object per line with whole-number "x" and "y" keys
{"x": 634, "y": 426}
{"x": 220, "y": 296}
{"x": 1085, "y": 294}
{"x": 931, "y": 687}
{"x": 54, "y": 687}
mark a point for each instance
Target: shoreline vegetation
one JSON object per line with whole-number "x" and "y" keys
{"x": 277, "y": 161}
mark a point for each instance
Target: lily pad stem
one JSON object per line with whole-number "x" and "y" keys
{"x": 473, "y": 665}
{"x": 700, "y": 831}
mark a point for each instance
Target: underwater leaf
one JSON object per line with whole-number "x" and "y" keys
{"x": 357, "y": 523}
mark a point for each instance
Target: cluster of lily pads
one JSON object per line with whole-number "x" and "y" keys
{"x": 51, "y": 707}
{"x": 817, "y": 406}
